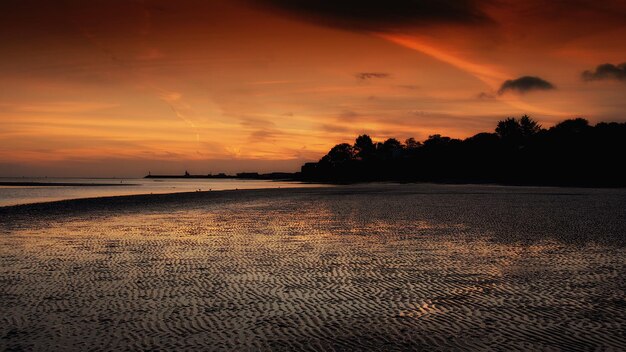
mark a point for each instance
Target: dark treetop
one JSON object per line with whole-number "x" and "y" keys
{"x": 572, "y": 153}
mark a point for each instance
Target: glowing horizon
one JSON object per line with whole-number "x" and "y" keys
{"x": 122, "y": 88}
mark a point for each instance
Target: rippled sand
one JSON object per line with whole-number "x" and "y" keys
{"x": 386, "y": 267}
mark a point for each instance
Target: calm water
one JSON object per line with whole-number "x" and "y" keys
{"x": 13, "y": 195}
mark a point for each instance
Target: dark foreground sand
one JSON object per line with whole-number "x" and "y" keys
{"x": 385, "y": 267}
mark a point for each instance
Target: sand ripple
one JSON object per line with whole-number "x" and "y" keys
{"x": 321, "y": 270}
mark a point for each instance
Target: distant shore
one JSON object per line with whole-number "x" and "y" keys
{"x": 278, "y": 176}
{"x": 64, "y": 184}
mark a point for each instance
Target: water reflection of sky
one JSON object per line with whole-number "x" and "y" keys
{"x": 12, "y": 195}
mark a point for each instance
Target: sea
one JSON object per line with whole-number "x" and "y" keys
{"x": 56, "y": 189}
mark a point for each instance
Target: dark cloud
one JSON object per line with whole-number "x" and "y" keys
{"x": 525, "y": 84}
{"x": 606, "y": 71}
{"x": 370, "y": 75}
{"x": 382, "y": 15}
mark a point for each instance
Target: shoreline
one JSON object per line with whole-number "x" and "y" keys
{"x": 146, "y": 202}
{"x": 183, "y": 200}
{"x": 345, "y": 187}
{"x": 23, "y": 193}
{"x": 61, "y": 184}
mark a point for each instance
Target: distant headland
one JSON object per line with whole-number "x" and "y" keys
{"x": 242, "y": 175}
{"x": 519, "y": 152}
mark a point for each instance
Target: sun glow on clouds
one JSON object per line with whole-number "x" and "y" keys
{"x": 491, "y": 76}
{"x": 203, "y": 83}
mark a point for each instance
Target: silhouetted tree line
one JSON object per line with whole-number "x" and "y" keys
{"x": 572, "y": 153}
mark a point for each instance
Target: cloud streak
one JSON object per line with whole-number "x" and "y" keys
{"x": 180, "y": 109}
{"x": 371, "y": 75}
{"x": 488, "y": 74}
{"x": 485, "y": 73}
{"x": 65, "y": 107}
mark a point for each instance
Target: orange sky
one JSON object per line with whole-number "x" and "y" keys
{"x": 120, "y": 88}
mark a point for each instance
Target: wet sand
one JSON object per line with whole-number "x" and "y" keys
{"x": 378, "y": 267}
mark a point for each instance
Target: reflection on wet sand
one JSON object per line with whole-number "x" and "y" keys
{"x": 384, "y": 269}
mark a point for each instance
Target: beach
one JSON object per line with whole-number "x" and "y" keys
{"x": 362, "y": 267}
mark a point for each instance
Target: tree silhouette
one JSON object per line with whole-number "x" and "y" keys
{"x": 411, "y": 143}
{"x": 576, "y": 125}
{"x": 436, "y": 141}
{"x": 510, "y": 130}
{"x": 516, "y": 132}
{"x": 528, "y": 126}
{"x": 340, "y": 154}
{"x": 520, "y": 152}
{"x": 364, "y": 147}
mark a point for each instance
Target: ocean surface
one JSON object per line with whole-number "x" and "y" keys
{"x": 347, "y": 268}
{"x": 101, "y": 187}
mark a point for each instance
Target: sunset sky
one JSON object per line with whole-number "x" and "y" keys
{"x": 120, "y": 88}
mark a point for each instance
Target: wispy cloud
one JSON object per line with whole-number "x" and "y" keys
{"x": 485, "y": 96}
{"x": 489, "y": 75}
{"x": 371, "y": 75}
{"x": 180, "y": 109}
{"x": 269, "y": 83}
{"x": 67, "y": 107}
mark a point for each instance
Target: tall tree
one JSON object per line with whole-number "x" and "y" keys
{"x": 339, "y": 154}
{"x": 364, "y": 147}
{"x": 529, "y": 127}
{"x": 509, "y": 129}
